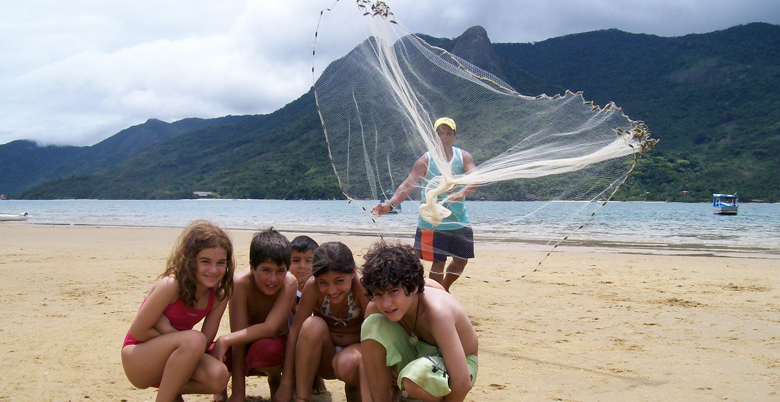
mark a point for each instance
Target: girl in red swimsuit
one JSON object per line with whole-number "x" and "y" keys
{"x": 161, "y": 349}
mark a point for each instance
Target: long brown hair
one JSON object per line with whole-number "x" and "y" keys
{"x": 182, "y": 265}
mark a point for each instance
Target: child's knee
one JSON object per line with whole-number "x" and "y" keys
{"x": 217, "y": 377}
{"x": 313, "y": 328}
{"x": 193, "y": 340}
{"x": 346, "y": 365}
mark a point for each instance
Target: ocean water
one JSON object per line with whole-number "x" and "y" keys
{"x": 644, "y": 224}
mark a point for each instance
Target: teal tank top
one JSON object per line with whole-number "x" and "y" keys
{"x": 458, "y": 218}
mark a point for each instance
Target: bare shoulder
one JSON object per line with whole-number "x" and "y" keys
{"x": 441, "y": 304}
{"x": 166, "y": 288}
{"x": 430, "y": 283}
{"x": 310, "y": 297}
{"x": 359, "y": 292}
{"x": 444, "y": 309}
{"x": 310, "y": 289}
{"x": 420, "y": 167}
{"x": 290, "y": 279}
{"x": 242, "y": 279}
{"x": 166, "y": 284}
{"x": 466, "y": 156}
{"x": 242, "y": 286}
{"x": 357, "y": 285}
{"x": 372, "y": 309}
{"x": 446, "y": 317}
{"x": 468, "y": 161}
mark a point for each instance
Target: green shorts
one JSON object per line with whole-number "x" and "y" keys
{"x": 421, "y": 363}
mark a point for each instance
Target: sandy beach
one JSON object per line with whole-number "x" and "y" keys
{"x": 591, "y": 324}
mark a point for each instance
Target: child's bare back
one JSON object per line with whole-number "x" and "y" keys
{"x": 440, "y": 310}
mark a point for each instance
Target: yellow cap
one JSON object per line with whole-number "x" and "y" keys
{"x": 445, "y": 120}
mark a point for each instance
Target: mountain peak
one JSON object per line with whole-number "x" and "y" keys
{"x": 474, "y": 46}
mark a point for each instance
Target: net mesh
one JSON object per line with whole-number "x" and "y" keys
{"x": 378, "y": 104}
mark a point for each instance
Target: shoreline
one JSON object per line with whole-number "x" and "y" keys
{"x": 629, "y": 247}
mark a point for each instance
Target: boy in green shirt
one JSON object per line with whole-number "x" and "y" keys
{"x": 421, "y": 334}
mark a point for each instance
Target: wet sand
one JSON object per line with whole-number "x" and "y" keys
{"x": 591, "y": 324}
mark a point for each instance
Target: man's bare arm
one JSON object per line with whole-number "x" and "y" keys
{"x": 419, "y": 171}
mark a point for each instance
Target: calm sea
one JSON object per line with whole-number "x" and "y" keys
{"x": 643, "y": 224}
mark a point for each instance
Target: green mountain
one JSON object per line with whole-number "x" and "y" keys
{"x": 25, "y": 165}
{"x": 712, "y": 99}
{"x": 280, "y": 155}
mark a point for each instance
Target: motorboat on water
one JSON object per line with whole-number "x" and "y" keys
{"x": 725, "y": 204}
{"x": 13, "y": 217}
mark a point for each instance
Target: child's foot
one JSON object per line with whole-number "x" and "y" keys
{"x": 220, "y": 397}
{"x": 319, "y": 388}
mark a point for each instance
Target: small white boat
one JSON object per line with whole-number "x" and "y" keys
{"x": 725, "y": 204}
{"x": 13, "y": 217}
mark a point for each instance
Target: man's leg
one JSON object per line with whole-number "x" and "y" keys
{"x": 454, "y": 271}
{"x": 437, "y": 272}
{"x": 460, "y": 248}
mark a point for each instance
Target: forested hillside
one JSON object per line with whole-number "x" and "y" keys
{"x": 24, "y": 164}
{"x": 281, "y": 155}
{"x": 712, "y": 99}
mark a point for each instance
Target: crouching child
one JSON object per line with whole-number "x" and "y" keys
{"x": 421, "y": 334}
{"x": 262, "y": 300}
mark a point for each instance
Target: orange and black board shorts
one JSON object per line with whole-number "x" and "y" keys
{"x": 436, "y": 245}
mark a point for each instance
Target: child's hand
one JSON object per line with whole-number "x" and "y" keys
{"x": 219, "y": 349}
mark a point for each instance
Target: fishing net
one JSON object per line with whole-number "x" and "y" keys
{"x": 378, "y": 104}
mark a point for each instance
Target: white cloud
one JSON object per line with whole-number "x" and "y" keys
{"x": 77, "y": 72}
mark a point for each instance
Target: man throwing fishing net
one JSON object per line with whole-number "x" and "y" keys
{"x": 452, "y": 237}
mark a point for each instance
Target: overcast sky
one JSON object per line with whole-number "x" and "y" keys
{"x": 76, "y": 72}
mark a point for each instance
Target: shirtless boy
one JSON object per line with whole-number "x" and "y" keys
{"x": 301, "y": 259}
{"x": 421, "y": 334}
{"x": 263, "y": 298}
